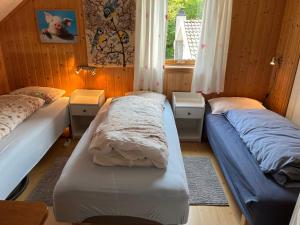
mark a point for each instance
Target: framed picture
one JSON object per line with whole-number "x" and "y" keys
{"x": 57, "y": 26}
{"x": 110, "y": 32}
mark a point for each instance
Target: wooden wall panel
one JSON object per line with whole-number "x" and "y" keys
{"x": 289, "y": 49}
{"x": 177, "y": 79}
{"x": 255, "y": 30}
{"x": 3, "y": 79}
{"x": 254, "y": 36}
{"x": 29, "y": 62}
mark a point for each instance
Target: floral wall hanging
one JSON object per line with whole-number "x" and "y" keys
{"x": 110, "y": 26}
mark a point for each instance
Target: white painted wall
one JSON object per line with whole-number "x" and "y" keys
{"x": 7, "y": 6}
{"x": 293, "y": 112}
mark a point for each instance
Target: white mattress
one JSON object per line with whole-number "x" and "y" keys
{"x": 86, "y": 190}
{"x": 24, "y": 147}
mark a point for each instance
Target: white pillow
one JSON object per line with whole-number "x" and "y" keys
{"x": 46, "y": 93}
{"x": 224, "y": 104}
{"x": 154, "y": 96}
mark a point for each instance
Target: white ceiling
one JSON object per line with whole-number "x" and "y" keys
{"x": 7, "y": 6}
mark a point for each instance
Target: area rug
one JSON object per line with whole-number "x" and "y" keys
{"x": 204, "y": 187}
{"x": 44, "y": 189}
{"x": 203, "y": 183}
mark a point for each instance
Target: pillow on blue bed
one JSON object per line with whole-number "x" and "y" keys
{"x": 245, "y": 121}
{"x": 224, "y": 104}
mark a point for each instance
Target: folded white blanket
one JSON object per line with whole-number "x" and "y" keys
{"x": 130, "y": 133}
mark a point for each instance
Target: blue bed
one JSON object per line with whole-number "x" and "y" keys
{"x": 260, "y": 198}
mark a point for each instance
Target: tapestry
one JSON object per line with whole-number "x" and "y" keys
{"x": 110, "y": 26}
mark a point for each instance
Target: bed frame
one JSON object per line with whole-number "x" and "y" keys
{"x": 50, "y": 127}
{"x": 113, "y": 220}
{"x": 126, "y": 220}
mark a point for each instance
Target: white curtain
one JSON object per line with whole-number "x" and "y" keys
{"x": 209, "y": 74}
{"x": 150, "y": 44}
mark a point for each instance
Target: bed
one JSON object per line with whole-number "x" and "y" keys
{"x": 24, "y": 147}
{"x": 86, "y": 192}
{"x": 260, "y": 198}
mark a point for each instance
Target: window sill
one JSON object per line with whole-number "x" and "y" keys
{"x": 178, "y": 66}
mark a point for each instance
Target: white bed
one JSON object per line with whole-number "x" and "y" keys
{"x": 87, "y": 191}
{"x": 24, "y": 147}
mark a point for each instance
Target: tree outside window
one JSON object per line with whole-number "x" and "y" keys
{"x": 192, "y": 11}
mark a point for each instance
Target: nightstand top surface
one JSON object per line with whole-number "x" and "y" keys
{"x": 188, "y": 99}
{"x": 86, "y": 97}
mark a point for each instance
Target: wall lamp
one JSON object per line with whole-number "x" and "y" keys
{"x": 90, "y": 69}
{"x": 276, "y": 61}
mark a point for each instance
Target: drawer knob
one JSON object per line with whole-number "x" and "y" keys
{"x": 189, "y": 113}
{"x": 84, "y": 110}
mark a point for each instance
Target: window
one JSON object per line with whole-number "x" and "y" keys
{"x": 184, "y": 29}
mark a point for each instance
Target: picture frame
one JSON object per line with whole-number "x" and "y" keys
{"x": 110, "y": 32}
{"x": 57, "y": 26}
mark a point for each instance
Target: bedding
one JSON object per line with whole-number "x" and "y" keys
{"x": 130, "y": 133}
{"x": 153, "y": 96}
{"x": 48, "y": 94}
{"x": 224, "y": 104}
{"x": 273, "y": 141}
{"x": 260, "y": 198}
{"x": 14, "y": 109}
{"x": 25, "y": 146}
{"x": 86, "y": 190}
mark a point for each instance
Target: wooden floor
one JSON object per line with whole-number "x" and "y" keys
{"x": 199, "y": 215}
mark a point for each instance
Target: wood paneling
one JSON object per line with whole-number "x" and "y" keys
{"x": 177, "y": 79}
{"x": 289, "y": 49}
{"x": 254, "y": 36}
{"x": 255, "y": 31}
{"x": 3, "y": 79}
{"x": 29, "y": 62}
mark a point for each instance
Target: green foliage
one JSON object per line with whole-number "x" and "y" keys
{"x": 193, "y": 10}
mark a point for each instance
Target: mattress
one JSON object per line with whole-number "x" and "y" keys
{"x": 86, "y": 190}
{"x": 260, "y": 198}
{"x": 24, "y": 147}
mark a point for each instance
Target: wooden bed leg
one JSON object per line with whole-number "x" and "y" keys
{"x": 244, "y": 220}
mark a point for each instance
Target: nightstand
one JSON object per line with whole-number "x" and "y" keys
{"x": 189, "y": 110}
{"x": 84, "y": 106}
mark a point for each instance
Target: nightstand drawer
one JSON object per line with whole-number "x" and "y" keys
{"x": 84, "y": 110}
{"x": 189, "y": 113}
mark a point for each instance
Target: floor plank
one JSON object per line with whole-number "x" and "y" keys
{"x": 199, "y": 215}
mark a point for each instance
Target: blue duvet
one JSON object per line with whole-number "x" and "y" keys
{"x": 273, "y": 141}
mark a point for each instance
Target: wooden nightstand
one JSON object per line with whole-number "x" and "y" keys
{"x": 84, "y": 106}
{"x": 189, "y": 110}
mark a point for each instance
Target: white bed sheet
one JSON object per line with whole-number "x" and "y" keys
{"x": 24, "y": 147}
{"x": 86, "y": 190}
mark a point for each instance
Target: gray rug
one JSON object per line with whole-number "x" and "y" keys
{"x": 204, "y": 186}
{"x": 44, "y": 190}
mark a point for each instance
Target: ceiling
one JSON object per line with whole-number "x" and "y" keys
{"x": 7, "y": 6}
